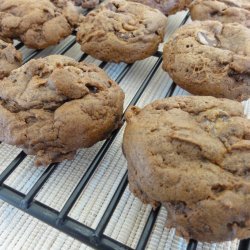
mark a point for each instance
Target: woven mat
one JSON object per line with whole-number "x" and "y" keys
{"x": 21, "y": 231}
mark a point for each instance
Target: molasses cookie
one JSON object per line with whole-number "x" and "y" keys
{"x": 121, "y": 31}
{"x": 192, "y": 155}
{"x": 53, "y": 106}
{"x": 225, "y": 11}
{"x": 10, "y": 58}
{"x": 38, "y": 24}
{"x": 210, "y": 58}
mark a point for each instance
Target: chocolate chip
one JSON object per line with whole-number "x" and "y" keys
{"x": 78, "y": 2}
{"x": 214, "y": 13}
{"x": 238, "y": 77}
{"x": 92, "y": 89}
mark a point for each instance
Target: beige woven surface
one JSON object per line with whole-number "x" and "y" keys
{"x": 20, "y": 231}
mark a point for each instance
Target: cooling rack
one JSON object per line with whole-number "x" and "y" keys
{"x": 94, "y": 186}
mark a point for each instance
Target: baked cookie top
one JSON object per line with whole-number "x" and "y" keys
{"x": 192, "y": 154}
{"x": 210, "y": 58}
{"x": 10, "y": 58}
{"x": 53, "y": 106}
{"x": 167, "y": 7}
{"x": 225, "y": 11}
{"x": 38, "y": 24}
{"x": 121, "y": 31}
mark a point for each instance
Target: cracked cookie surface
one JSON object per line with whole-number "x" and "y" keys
{"x": 167, "y": 7}
{"x": 210, "y": 58}
{"x": 53, "y": 106}
{"x": 38, "y": 24}
{"x": 225, "y": 11}
{"x": 121, "y": 31}
{"x": 192, "y": 154}
{"x": 10, "y": 58}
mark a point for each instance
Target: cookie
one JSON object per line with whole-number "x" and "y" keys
{"x": 210, "y": 58}
{"x": 53, "y": 106}
{"x": 87, "y": 4}
{"x": 38, "y": 24}
{"x": 121, "y": 31}
{"x": 225, "y": 11}
{"x": 10, "y": 58}
{"x": 192, "y": 155}
{"x": 167, "y": 7}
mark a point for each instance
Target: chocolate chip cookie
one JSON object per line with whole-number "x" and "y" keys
{"x": 225, "y": 11}
{"x": 121, "y": 31}
{"x": 53, "y": 106}
{"x": 38, "y": 24}
{"x": 210, "y": 58}
{"x": 192, "y": 155}
{"x": 10, "y": 58}
{"x": 167, "y": 7}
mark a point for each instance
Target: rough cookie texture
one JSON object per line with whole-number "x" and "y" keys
{"x": 192, "y": 154}
{"x": 210, "y": 58}
{"x": 10, "y": 58}
{"x": 53, "y": 106}
{"x": 38, "y": 24}
{"x": 121, "y": 31}
{"x": 167, "y": 7}
{"x": 225, "y": 11}
{"x": 88, "y": 4}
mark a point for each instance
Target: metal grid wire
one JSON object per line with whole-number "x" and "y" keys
{"x": 100, "y": 229}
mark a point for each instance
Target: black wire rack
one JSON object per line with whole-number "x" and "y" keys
{"x": 61, "y": 219}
